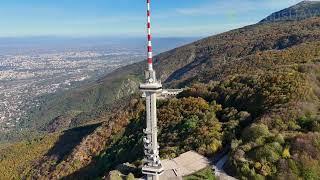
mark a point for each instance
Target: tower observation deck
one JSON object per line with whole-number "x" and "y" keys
{"x": 150, "y": 88}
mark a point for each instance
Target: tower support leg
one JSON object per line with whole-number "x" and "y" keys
{"x": 153, "y": 177}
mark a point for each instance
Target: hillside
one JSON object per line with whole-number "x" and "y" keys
{"x": 182, "y": 63}
{"x": 255, "y": 89}
{"x": 300, "y": 11}
{"x": 178, "y": 66}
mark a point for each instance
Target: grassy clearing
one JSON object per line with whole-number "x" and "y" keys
{"x": 206, "y": 173}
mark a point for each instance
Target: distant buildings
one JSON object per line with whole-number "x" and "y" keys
{"x": 25, "y": 77}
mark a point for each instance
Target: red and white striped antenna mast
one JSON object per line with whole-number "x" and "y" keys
{"x": 150, "y": 57}
{"x": 150, "y": 88}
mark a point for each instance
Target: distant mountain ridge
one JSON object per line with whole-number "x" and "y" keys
{"x": 300, "y": 11}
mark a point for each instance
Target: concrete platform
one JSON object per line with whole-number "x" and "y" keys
{"x": 184, "y": 165}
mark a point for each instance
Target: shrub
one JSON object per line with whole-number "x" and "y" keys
{"x": 130, "y": 177}
{"x": 256, "y": 131}
{"x": 279, "y": 138}
{"x": 258, "y": 177}
{"x": 257, "y": 165}
{"x": 286, "y": 153}
{"x": 115, "y": 175}
{"x": 190, "y": 124}
{"x": 246, "y": 147}
{"x": 269, "y": 152}
{"x": 309, "y": 174}
{"x": 265, "y": 170}
{"x": 245, "y": 169}
{"x": 214, "y": 146}
{"x": 235, "y": 144}
{"x": 305, "y": 123}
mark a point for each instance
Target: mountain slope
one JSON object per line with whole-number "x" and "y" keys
{"x": 202, "y": 60}
{"x": 300, "y": 11}
{"x": 255, "y": 89}
{"x": 262, "y": 79}
{"x": 242, "y": 106}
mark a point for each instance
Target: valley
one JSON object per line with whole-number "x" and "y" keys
{"x": 28, "y": 76}
{"x": 23, "y": 78}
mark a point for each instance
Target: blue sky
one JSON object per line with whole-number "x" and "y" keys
{"x": 171, "y": 18}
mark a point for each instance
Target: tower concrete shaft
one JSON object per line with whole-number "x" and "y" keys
{"x": 152, "y": 165}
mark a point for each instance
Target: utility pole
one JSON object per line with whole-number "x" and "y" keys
{"x": 152, "y": 165}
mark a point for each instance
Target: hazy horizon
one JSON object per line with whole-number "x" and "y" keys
{"x": 125, "y": 18}
{"x": 25, "y": 45}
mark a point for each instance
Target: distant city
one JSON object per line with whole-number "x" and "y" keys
{"x": 26, "y": 75}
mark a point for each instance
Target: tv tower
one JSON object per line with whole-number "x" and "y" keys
{"x": 152, "y": 165}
